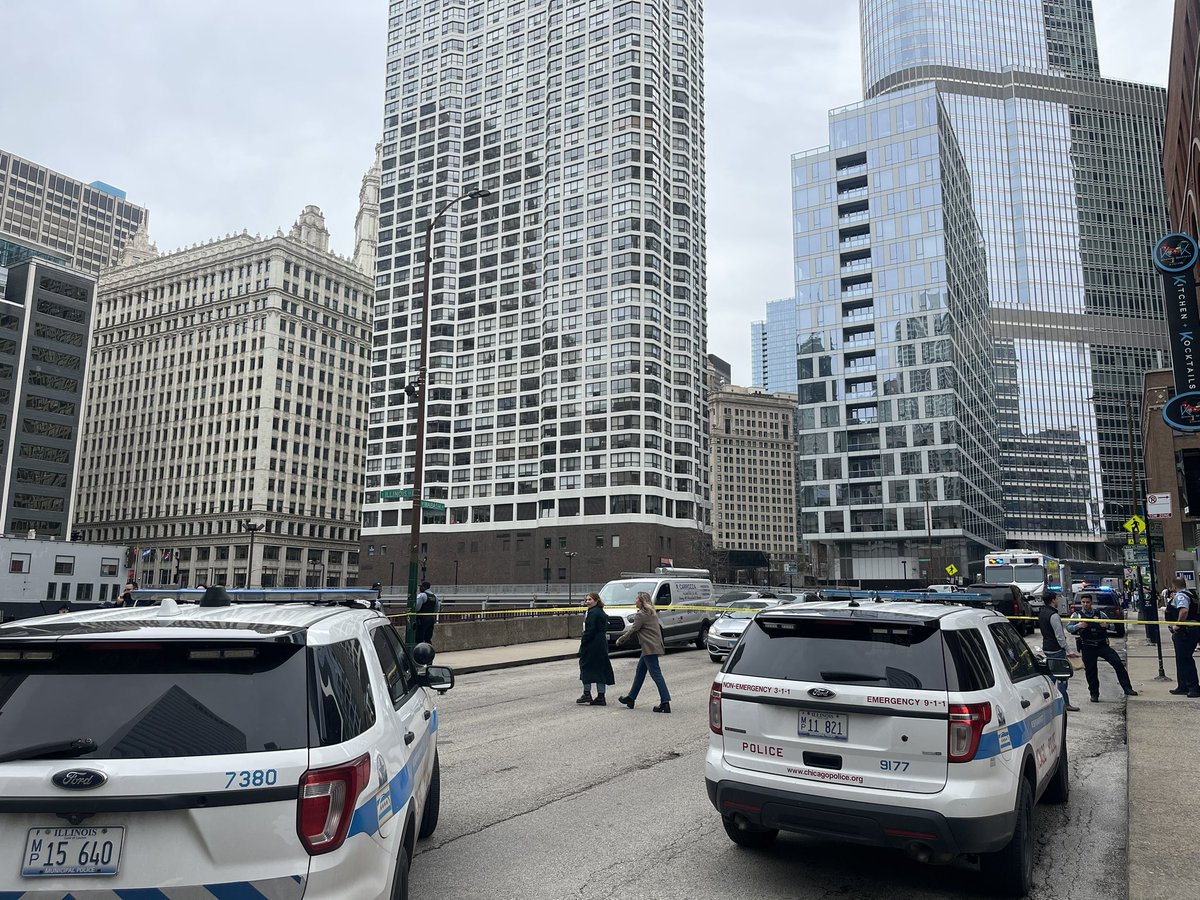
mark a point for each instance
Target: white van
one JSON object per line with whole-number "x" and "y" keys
{"x": 683, "y": 597}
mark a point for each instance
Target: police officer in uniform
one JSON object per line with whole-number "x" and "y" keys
{"x": 1093, "y": 644}
{"x": 1054, "y": 639}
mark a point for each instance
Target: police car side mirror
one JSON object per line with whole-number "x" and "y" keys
{"x": 440, "y": 678}
{"x": 423, "y": 654}
{"x": 1057, "y": 668}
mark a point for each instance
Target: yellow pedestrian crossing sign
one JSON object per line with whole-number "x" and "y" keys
{"x": 1135, "y": 524}
{"x": 952, "y": 570}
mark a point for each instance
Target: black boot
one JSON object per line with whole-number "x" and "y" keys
{"x": 665, "y": 706}
{"x": 628, "y": 701}
{"x": 599, "y": 701}
{"x": 586, "y": 698}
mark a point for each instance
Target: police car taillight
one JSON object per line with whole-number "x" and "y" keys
{"x": 714, "y": 709}
{"x": 967, "y": 722}
{"x": 327, "y": 799}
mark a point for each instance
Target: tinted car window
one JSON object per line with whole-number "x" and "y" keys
{"x": 1014, "y": 651}
{"x": 342, "y": 704}
{"x": 842, "y": 651}
{"x": 150, "y": 700}
{"x": 389, "y": 661}
{"x": 972, "y": 667}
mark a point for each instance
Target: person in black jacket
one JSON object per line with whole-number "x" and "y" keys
{"x": 594, "y": 665}
{"x": 1093, "y": 644}
{"x": 1054, "y": 639}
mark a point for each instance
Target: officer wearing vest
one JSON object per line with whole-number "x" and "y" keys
{"x": 1054, "y": 639}
{"x": 1183, "y": 607}
{"x": 1093, "y": 644}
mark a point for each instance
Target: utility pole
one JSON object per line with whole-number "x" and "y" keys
{"x": 419, "y": 391}
{"x": 254, "y": 528}
{"x": 570, "y": 555}
{"x": 1138, "y": 507}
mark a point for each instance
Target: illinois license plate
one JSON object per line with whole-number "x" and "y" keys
{"x": 832, "y": 726}
{"x": 94, "y": 850}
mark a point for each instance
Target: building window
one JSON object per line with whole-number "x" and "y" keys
{"x": 108, "y": 567}
{"x": 19, "y": 562}
{"x": 64, "y": 565}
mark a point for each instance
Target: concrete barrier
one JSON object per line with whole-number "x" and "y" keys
{"x": 498, "y": 632}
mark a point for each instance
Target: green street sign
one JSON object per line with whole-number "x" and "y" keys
{"x": 396, "y": 494}
{"x": 434, "y": 505}
{"x": 1158, "y": 543}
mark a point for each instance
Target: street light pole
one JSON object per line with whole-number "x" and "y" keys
{"x": 1139, "y": 508}
{"x": 456, "y": 576}
{"x": 419, "y": 391}
{"x": 570, "y": 555}
{"x": 254, "y": 528}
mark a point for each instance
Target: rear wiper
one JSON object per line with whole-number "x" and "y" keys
{"x": 851, "y": 676}
{"x": 65, "y": 749}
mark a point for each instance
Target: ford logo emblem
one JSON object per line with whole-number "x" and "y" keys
{"x": 820, "y": 693}
{"x": 79, "y": 779}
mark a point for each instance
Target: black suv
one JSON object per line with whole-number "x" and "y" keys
{"x": 1008, "y": 600}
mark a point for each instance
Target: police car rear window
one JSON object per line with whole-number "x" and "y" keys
{"x": 148, "y": 700}
{"x": 842, "y": 651}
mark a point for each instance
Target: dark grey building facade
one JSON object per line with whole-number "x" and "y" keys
{"x": 45, "y": 330}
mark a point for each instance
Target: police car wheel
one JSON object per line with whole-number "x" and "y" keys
{"x": 749, "y": 836}
{"x": 1059, "y": 788}
{"x": 715, "y": 658}
{"x": 1010, "y": 870}
{"x": 400, "y": 879}
{"x": 433, "y": 802}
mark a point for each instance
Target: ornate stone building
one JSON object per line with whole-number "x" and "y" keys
{"x": 229, "y": 402}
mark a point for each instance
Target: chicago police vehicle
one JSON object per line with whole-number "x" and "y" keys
{"x": 282, "y": 750}
{"x": 927, "y": 727}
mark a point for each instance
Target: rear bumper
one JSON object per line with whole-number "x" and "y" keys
{"x": 855, "y": 822}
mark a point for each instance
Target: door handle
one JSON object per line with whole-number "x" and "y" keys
{"x": 429, "y": 715}
{"x": 409, "y": 737}
{"x": 1045, "y": 695}
{"x": 1024, "y": 704}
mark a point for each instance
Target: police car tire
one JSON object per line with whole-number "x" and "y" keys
{"x": 1010, "y": 869}
{"x": 715, "y": 658}
{"x": 433, "y": 802}
{"x": 400, "y": 878}
{"x": 1059, "y": 788}
{"x": 749, "y": 837}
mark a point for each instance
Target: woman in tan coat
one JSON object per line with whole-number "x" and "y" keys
{"x": 648, "y": 629}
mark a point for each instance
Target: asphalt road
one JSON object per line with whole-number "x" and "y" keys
{"x": 545, "y": 799}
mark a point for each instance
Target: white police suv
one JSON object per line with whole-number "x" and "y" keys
{"x": 926, "y": 727}
{"x": 260, "y": 750}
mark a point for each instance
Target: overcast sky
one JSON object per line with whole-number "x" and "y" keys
{"x": 220, "y": 115}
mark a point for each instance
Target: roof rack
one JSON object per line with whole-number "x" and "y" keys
{"x": 669, "y": 572}
{"x": 358, "y": 597}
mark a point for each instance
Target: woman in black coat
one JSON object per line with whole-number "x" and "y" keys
{"x": 594, "y": 667}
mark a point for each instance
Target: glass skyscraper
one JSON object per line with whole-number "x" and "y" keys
{"x": 1065, "y": 176}
{"x": 566, "y": 399}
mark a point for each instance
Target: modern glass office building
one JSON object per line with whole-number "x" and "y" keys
{"x": 566, "y": 407}
{"x": 1064, "y": 170}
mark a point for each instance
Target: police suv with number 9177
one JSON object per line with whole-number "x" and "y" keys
{"x": 262, "y": 749}
{"x": 926, "y": 727}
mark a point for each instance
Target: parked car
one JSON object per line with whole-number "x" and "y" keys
{"x": 1008, "y": 600}
{"x": 929, "y": 728}
{"x": 1108, "y": 602}
{"x": 749, "y": 594}
{"x": 279, "y": 750}
{"x": 727, "y": 629}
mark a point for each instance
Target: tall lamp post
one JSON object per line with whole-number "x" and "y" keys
{"x": 418, "y": 390}
{"x": 254, "y": 528}
{"x": 570, "y": 555}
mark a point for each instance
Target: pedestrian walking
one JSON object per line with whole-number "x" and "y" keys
{"x": 648, "y": 629}
{"x": 1093, "y": 645}
{"x": 1054, "y": 639}
{"x": 594, "y": 665}
{"x": 1183, "y": 607}
{"x": 427, "y": 607}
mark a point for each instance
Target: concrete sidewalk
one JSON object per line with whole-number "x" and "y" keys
{"x": 1162, "y": 731}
